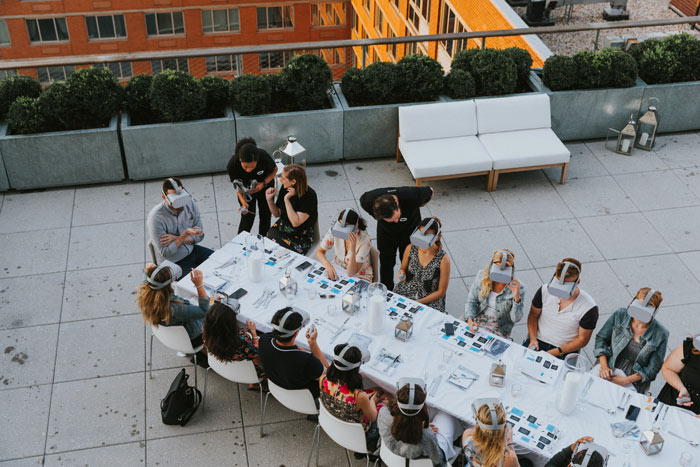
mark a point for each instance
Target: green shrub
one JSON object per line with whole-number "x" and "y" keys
{"x": 24, "y": 116}
{"x": 216, "y": 91}
{"x": 16, "y": 86}
{"x": 93, "y": 96}
{"x": 420, "y": 78}
{"x": 615, "y": 68}
{"x": 381, "y": 83}
{"x": 588, "y": 76}
{"x": 686, "y": 49}
{"x": 251, "y": 94}
{"x": 53, "y": 107}
{"x": 177, "y": 97}
{"x": 463, "y": 59}
{"x": 559, "y": 73}
{"x": 494, "y": 72}
{"x": 523, "y": 63}
{"x": 306, "y": 78}
{"x": 459, "y": 84}
{"x": 656, "y": 64}
{"x": 137, "y": 99}
{"x": 353, "y": 86}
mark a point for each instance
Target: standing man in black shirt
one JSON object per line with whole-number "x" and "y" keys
{"x": 397, "y": 211}
{"x": 251, "y": 170}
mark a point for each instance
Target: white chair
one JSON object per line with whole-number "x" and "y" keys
{"x": 394, "y": 460}
{"x": 350, "y": 436}
{"x": 374, "y": 259}
{"x": 177, "y": 339}
{"x": 242, "y": 372}
{"x": 297, "y": 400}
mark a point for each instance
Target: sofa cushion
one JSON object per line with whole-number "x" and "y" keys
{"x": 513, "y": 113}
{"x": 441, "y": 120}
{"x": 526, "y": 148}
{"x": 445, "y": 156}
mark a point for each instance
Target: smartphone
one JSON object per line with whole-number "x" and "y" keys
{"x": 449, "y": 329}
{"x": 303, "y": 266}
{"x": 683, "y": 400}
{"x": 239, "y": 293}
{"x": 632, "y": 413}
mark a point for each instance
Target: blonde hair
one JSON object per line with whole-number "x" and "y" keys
{"x": 655, "y": 299}
{"x": 486, "y": 284}
{"x": 490, "y": 443}
{"x": 155, "y": 304}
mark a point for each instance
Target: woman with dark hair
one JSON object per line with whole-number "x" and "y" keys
{"x": 296, "y": 209}
{"x": 251, "y": 169}
{"x": 681, "y": 370}
{"x": 352, "y": 254}
{"x": 226, "y": 342}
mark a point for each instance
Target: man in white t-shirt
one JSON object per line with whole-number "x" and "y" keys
{"x": 562, "y": 316}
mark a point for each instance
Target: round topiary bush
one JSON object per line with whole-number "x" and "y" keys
{"x": 381, "y": 83}
{"x": 588, "y": 74}
{"x": 307, "y": 79}
{"x": 177, "y": 96}
{"x": 137, "y": 99}
{"x": 216, "y": 90}
{"x": 523, "y": 63}
{"x": 53, "y": 107}
{"x": 462, "y": 60}
{"x": 420, "y": 78}
{"x": 459, "y": 84}
{"x": 24, "y": 116}
{"x": 656, "y": 64}
{"x": 16, "y": 86}
{"x": 686, "y": 49}
{"x": 615, "y": 68}
{"x": 559, "y": 73}
{"x": 353, "y": 86}
{"x": 93, "y": 96}
{"x": 251, "y": 94}
{"x": 495, "y": 73}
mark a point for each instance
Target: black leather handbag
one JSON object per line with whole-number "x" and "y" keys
{"x": 181, "y": 401}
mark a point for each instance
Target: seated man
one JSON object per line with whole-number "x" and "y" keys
{"x": 562, "y": 316}
{"x": 583, "y": 450}
{"x": 285, "y": 363}
{"x": 175, "y": 227}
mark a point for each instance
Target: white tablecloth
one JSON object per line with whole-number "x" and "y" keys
{"x": 423, "y": 356}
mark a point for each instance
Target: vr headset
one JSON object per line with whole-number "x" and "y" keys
{"x": 244, "y": 188}
{"x": 590, "y": 448}
{"x": 343, "y": 365}
{"x": 502, "y": 273}
{"x": 558, "y": 287}
{"x": 696, "y": 342}
{"x": 411, "y": 406}
{"x": 641, "y": 309}
{"x": 175, "y": 273}
{"x": 305, "y": 319}
{"x": 178, "y": 199}
{"x": 341, "y": 228}
{"x": 425, "y": 240}
{"x": 492, "y": 403}
{"x": 223, "y": 298}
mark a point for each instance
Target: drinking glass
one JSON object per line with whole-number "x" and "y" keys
{"x": 686, "y": 459}
{"x": 332, "y": 310}
{"x": 516, "y": 389}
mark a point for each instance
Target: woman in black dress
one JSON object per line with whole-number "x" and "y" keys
{"x": 681, "y": 370}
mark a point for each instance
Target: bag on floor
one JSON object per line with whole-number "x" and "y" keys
{"x": 181, "y": 401}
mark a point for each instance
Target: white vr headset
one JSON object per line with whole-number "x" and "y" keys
{"x": 344, "y": 365}
{"x": 696, "y": 342}
{"x": 558, "y": 287}
{"x": 223, "y": 298}
{"x": 305, "y": 318}
{"x": 341, "y": 228}
{"x": 502, "y": 273}
{"x": 492, "y": 403}
{"x": 424, "y": 239}
{"x": 590, "y": 448}
{"x": 641, "y": 310}
{"x": 175, "y": 273}
{"x": 178, "y": 199}
{"x": 244, "y": 188}
{"x": 411, "y": 406}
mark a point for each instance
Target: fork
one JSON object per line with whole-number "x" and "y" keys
{"x": 625, "y": 399}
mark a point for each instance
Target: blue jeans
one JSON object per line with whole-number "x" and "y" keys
{"x": 198, "y": 256}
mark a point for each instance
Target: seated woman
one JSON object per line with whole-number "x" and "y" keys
{"x": 296, "y": 209}
{"x": 495, "y": 305}
{"x": 352, "y": 254}
{"x": 226, "y": 342}
{"x": 484, "y": 445}
{"x": 681, "y": 370}
{"x": 161, "y": 307}
{"x": 631, "y": 349}
{"x": 425, "y": 274}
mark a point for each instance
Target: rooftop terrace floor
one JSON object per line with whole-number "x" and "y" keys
{"x": 73, "y": 382}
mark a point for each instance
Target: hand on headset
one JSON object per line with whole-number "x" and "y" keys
{"x": 584, "y": 439}
{"x": 311, "y": 336}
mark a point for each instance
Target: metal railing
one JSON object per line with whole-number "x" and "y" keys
{"x": 363, "y": 43}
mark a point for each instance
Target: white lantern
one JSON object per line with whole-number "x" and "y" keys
{"x": 651, "y": 442}
{"x": 404, "y": 329}
{"x": 351, "y": 302}
{"x": 624, "y": 141}
{"x": 288, "y": 286}
{"x": 646, "y": 129}
{"x": 497, "y": 376}
{"x": 293, "y": 152}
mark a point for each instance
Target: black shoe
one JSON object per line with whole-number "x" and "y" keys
{"x": 359, "y": 455}
{"x": 312, "y": 418}
{"x": 201, "y": 360}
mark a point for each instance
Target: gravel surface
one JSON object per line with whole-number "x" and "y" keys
{"x": 569, "y": 43}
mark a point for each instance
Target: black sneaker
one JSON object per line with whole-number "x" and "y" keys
{"x": 312, "y": 418}
{"x": 201, "y": 360}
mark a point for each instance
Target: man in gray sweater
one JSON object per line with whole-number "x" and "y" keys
{"x": 176, "y": 231}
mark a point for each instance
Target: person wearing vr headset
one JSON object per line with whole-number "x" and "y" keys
{"x": 296, "y": 209}
{"x": 351, "y": 246}
{"x": 285, "y": 363}
{"x": 251, "y": 170}
{"x": 175, "y": 227}
{"x": 681, "y": 370}
{"x": 397, "y": 211}
{"x": 562, "y": 316}
{"x": 496, "y": 297}
{"x": 631, "y": 345}
{"x": 161, "y": 307}
{"x": 425, "y": 269}
{"x": 583, "y": 453}
{"x": 490, "y": 442}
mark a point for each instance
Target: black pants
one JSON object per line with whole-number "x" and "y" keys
{"x": 198, "y": 256}
{"x": 388, "y": 244}
{"x": 263, "y": 210}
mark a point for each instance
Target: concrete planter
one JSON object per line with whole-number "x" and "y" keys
{"x": 677, "y": 105}
{"x": 4, "y": 182}
{"x": 588, "y": 113}
{"x": 61, "y": 158}
{"x": 172, "y": 149}
{"x": 319, "y": 131}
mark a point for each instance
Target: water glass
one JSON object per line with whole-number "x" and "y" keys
{"x": 686, "y": 459}
{"x": 516, "y": 389}
{"x": 310, "y": 293}
{"x": 332, "y": 310}
{"x": 446, "y": 356}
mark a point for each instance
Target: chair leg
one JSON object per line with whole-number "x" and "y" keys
{"x": 195, "y": 371}
{"x": 150, "y": 360}
{"x": 347, "y": 458}
{"x": 419, "y": 181}
{"x": 313, "y": 442}
{"x": 367, "y": 458}
{"x": 262, "y": 414}
{"x": 204, "y": 393}
{"x": 564, "y": 172}
{"x": 493, "y": 180}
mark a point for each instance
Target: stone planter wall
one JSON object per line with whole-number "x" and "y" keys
{"x": 678, "y": 105}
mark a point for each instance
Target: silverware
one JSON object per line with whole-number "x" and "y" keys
{"x": 625, "y": 399}
{"x": 340, "y": 330}
{"x": 610, "y": 411}
{"x": 689, "y": 441}
{"x": 396, "y": 359}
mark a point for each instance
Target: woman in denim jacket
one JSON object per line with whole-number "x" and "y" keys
{"x": 632, "y": 346}
{"x": 497, "y": 306}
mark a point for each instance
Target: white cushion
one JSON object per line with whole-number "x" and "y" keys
{"x": 513, "y": 113}
{"x": 445, "y": 156}
{"x": 441, "y": 120}
{"x": 526, "y": 148}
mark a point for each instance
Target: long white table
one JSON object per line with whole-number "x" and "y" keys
{"x": 423, "y": 356}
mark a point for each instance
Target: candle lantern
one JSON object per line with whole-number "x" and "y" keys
{"x": 498, "y": 374}
{"x": 646, "y": 129}
{"x": 351, "y": 302}
{"x": 404, "y": 329}
{"x": 624, "y": 139}
{"x": 292, "y": 152}
{"x": 288, "y": 286}
{"x": 651, "y": 442}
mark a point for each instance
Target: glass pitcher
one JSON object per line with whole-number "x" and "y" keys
{"x": 571, "y": 381}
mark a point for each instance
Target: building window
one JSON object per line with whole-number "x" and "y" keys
{"x": 119, "y": 69}
{"x": 328, "y": 14}
{"x": 449, "y": 24}
{"x": 414, "y": 48}
{"x": 354, "y": 21}
{"x": 275, "y": 17}
{"x": 7, "y": 73}
{"x": 379, "y": 20}
{"x": 417, "y": 10}
{"x": 4, "y": 33}
{"x": 177, "y": 64}
{"x": 391, "y": 48}
{"x": 163, "y": 24}
{"x": 105, "y": 27}
{"x": 365, "y": 4}
{"x": 222, "y": 64}
{"x": 49, "y": 74}
{"x": 395, "y": 3}
{"x": 274, "y": 60}
{"x": 220, "y": 20}
{"x": 47, "y": 30}
{"x": 331, "y": 56}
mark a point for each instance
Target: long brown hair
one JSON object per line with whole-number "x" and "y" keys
{"x": 490, "y": 443}
{"x": 297, "y": 173}
{"x": 408, "y": 429}
{"x": 220, "y": 332}
{"x": 155, "y": 304}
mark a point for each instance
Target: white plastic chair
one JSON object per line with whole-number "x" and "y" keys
{"x": 394, "y": 460}
{"x": 297, "y": 400}
{"x": 177, "y": 339}
{"x": 152, "y": 250}
{"x": 349, "y": 435}
{"x": 242, "y": 372}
